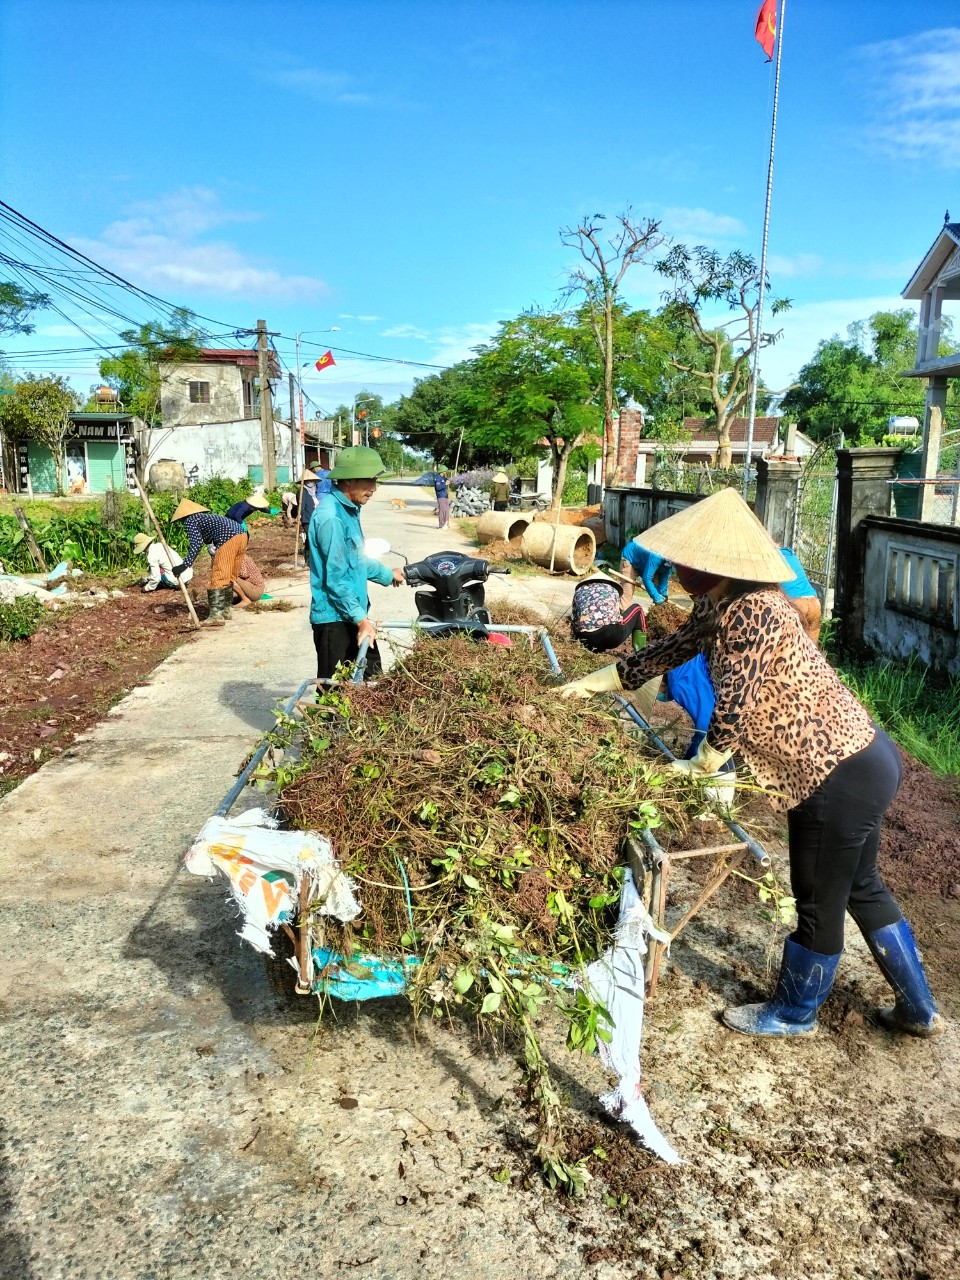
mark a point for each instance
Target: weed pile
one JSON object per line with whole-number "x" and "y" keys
{"x": 483, "y": 819}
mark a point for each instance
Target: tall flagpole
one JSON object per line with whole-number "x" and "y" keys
{"x": 751, "y": 421}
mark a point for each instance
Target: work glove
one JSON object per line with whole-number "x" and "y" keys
{"x": 708, "y": 763}
{"x": 605, "y": 680}
{"x": 179, "y": 569}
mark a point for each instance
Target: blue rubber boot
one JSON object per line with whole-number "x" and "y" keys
{"x": 804, "y": 983}
{"x": 896, "y": 953}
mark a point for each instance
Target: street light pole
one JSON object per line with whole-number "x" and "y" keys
{"x": 298, "y": 336}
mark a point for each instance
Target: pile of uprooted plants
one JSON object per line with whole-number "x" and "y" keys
{"x": 483, "y": 820}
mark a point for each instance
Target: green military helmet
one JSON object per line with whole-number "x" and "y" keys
{"x": 358, "y": 463}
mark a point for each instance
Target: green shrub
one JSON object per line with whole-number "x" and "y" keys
{"x": 20, "y": 618}
{"x": 219, "y": 494}
{"x": 575, "y": 489}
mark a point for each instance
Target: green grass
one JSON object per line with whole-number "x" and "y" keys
{"x": 918, "y": 710}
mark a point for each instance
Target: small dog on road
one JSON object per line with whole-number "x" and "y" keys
{"x": 398, "y": 504}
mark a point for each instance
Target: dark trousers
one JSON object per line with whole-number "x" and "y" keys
{"x": 500, "y": 506}
{"x": 336, "y": 642}
{"x": 834, "y": 838}
{"x": 615, "y": 633}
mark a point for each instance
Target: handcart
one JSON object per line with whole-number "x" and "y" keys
{"x": 304, "y": 966}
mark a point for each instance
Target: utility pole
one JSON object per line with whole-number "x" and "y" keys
{"x": 266, "y": 409}
{"x": 294, "y": 433}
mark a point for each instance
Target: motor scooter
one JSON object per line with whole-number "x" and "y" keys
{"x": 450, "y": 593}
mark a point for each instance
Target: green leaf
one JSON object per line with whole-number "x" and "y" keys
{"x": 491, "y": 1002}
{"x": 494, "y": 982}
{"x": 463, "y": 980}
{"x": 470, "y": 881}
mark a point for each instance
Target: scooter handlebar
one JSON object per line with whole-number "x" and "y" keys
{"x": 499, "y": 571}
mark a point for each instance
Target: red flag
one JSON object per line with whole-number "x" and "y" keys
{"x": 325, "y": 361}
{"x": 766, "y": 32}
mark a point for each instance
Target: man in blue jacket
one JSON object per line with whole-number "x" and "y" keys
{"x": 339, "y": 569}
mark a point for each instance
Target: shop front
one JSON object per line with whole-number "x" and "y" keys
{"x": 99, "y": 457}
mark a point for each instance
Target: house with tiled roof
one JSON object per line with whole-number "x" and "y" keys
{"x": 699, "y": 447}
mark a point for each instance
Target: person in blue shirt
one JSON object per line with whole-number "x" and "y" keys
{"x": 443, "y": 498}
{"x": 653, "y": 571}
{"x": 339, "y": 568}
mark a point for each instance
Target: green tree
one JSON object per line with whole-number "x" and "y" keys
{"x": 606, "y": 260}
{"x": 426, "y": 419}
{"x": 135, "y": 373}
{"x": 17, "y": 305}
{"x": 701, "y": 278}
{"x": 534, "y": 385}
{"x": 856, "y": 384}
{"x": 39, "y": 409}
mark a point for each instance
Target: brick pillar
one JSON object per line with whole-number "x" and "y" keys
{"x": 933, "y": 415}
{"x": 628, "y": 445}
{"x": 778, "y": 493}
{"x": 862, "y": 490}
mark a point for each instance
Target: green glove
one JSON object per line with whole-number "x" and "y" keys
{"x": 606, "y": 680}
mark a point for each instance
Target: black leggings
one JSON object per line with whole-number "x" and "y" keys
{"x": 834, "y": 838}
{"x": 614, "y": 634}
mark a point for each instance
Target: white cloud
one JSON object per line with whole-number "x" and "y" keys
{"x": 801, "y": 264}
{"x": 685, "y": 223}
{"x": 810, "y": 323}
{"x": 916, "y": 84}
{"x": 363, "y": 319}
{"x": 457, "y": 343}
{"x": 412, "y": 331}
{"x": 159, "y": 247}
{"x": 324, "y": 86}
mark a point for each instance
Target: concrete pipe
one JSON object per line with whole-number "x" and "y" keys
{"x": 505, "y": 526}
{"x": 575, "y": 547}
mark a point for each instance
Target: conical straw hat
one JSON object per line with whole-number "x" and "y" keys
{"x": 187, "y": 508}
{"x": 307, "y": 474}
{"x": 143, "y": 540}
{"x": 601, "y": 575}
{"x": 258, "y": 501}
{"x": 500, "y": 477}
{"x": 719, "y": 535}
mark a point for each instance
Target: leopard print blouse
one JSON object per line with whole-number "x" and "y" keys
{"x": 779, "y": 702}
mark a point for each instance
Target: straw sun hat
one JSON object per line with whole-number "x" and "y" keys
{"x": 722, "y": 536}
{"x": 307, "y": 474}
{"x": 258, "y": 501}
{"x": 142, "y": 541}
{"x": 187, "y": 508}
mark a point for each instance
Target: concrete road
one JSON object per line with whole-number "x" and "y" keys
{"x": 164, "y": 1113}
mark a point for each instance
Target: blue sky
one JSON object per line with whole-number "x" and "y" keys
{"x": 400, "y": 169}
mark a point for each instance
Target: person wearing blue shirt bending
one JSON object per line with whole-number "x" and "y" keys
{"x": 339, "y": 568}
{"x": 653, "y": 571}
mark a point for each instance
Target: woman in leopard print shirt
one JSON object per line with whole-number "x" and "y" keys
{"x": 808, "y": 743}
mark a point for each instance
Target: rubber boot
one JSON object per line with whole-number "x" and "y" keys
{"x": 217, "y": 601}
{"x": 804, "y": 983}
{"x": 896, "y": 953}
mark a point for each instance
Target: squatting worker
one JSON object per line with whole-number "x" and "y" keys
{"x": 160, "y": 562}
{"x": 227, "y": 542}
{"x": 248, "y": 584}
{"x": 597, "y": 619}
{"x": 807, "y": 741}
{"x": 500, "y": 491}
{"x": 339, "y": 569}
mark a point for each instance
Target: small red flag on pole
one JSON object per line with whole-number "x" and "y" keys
{"x": 766, "y": 31}
{"x": 325, "y": 361}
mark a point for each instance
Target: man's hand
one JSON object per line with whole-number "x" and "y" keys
{"x": 367, "y": 630}
{"x": 180, "y": 569}
{"x": 398, "y": 578}
{"x": 606, "y": 680}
